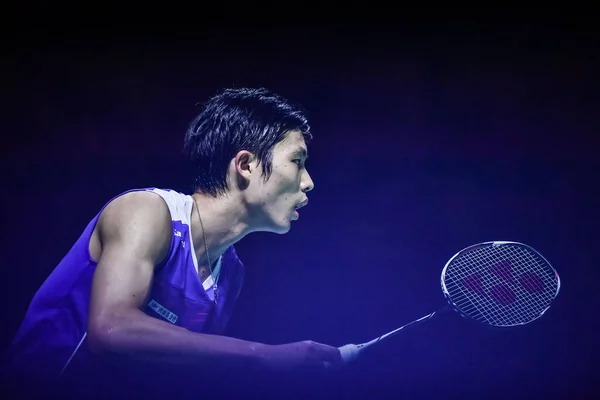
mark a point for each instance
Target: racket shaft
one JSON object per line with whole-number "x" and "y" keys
{"x": 350, "y": 352}
{"x": 395, "y": 331}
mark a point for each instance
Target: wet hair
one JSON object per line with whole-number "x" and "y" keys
{"x": 233, "y": 120}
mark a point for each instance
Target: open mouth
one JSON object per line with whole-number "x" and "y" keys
{"x": 299, "y": 206}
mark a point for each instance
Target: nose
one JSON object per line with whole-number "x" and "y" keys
{"x": 307, "y": 184}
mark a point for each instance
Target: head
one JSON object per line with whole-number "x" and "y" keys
{"x": 254, "y": 143}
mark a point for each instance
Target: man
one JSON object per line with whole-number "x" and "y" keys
{"x": 154, "y": 276}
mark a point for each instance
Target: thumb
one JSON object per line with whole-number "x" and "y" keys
{"x": 330, "y": 355}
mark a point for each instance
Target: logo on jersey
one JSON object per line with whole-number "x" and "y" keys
{"x": 163, "y": 312}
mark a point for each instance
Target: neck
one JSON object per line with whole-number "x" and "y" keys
{"x": 223, "y": 219}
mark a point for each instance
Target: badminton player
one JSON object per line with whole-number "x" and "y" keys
{"x": 154, "y": 276}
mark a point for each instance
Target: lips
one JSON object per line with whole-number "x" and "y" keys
{"x": 300, "y": 205}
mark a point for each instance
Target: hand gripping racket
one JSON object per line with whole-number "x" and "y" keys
{"x": 500, "y": 284}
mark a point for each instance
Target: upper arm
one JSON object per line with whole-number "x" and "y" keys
{"x": 135, "y": 234}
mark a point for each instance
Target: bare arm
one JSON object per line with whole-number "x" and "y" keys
{"x": 135, "y": 234}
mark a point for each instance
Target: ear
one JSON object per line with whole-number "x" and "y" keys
{"x": 245, "y": 164}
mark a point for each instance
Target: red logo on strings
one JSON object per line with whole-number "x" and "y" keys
{"x": 502, "y": 293}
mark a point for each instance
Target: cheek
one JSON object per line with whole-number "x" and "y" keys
{"x": 281, "y": 182}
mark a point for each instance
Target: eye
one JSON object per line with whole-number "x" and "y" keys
{"x": 297, "y": 161}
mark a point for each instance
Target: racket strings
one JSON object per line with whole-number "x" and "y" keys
{"x": 501, "y": 285}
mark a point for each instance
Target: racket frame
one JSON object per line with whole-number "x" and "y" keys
{"x": 350, "y": 352}
{"x": 472, "y": 247}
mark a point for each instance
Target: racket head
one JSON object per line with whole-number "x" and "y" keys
{"x": 501, "y": 284}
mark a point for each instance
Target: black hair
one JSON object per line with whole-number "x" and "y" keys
{"x": 234, "y": 120}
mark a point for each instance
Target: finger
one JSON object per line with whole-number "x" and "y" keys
{"x": 329, "y": 354}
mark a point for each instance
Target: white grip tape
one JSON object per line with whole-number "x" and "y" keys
{"x": 349, "y": 352}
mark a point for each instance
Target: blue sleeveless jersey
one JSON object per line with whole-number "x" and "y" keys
{"x": 53, "y": 332}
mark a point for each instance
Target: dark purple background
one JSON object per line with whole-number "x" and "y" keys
{"x": 427, "y": 139}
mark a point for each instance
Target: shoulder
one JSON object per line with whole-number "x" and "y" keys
{"x": 137, "y": 218}
{"x": 135, "y": 204}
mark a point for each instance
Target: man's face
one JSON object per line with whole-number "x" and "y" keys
{"x": 274, "y": 203}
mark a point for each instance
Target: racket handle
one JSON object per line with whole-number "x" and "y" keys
{"x": 349, "y": 352}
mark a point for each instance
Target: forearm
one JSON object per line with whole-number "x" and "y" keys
{"x": 141, "y": 337}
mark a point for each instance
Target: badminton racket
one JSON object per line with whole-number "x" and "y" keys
{"x": 499, "y": 284}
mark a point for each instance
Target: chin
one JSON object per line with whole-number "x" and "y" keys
{"x": 277, "y": 226}
{"x": 281, "y": 228}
